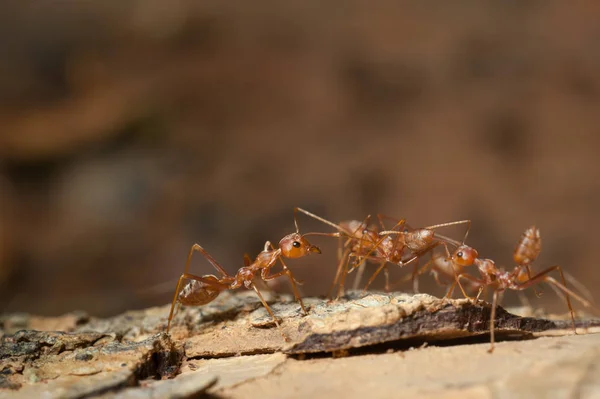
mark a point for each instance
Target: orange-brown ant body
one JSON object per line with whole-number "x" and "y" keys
{"x": 201, "y": 290}
{"x": 517, "y": 279}
{"x": 364, "y": 242}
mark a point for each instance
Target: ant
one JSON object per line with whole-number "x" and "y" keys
{"x": 417, "y": 242}
{"x": 500, "y": 280}
{"x": 526, "y": 252}
{"x": 365, "y": 243}
{"x": 201, "y": 290}
{"x": 360, "y": 237}
{"x": 443, "y": 270}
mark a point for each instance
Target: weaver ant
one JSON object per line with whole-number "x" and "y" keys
{"x": 413, "y": 243}
{"x": 444, "y": 270}
{"x": 364, "y": 242}
{"x": 201, "y": 290}
{"x": 360, "y": 238}
{"x": 518, "y": 279}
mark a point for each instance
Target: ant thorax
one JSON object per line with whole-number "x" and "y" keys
{"x": 266, "y": 259}
{"x": 505, "y": 280}
{"x": 391, "y": 248}
{"x": 487, "y": 267}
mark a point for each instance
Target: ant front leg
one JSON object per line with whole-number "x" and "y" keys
{"x": 265, "y": 276}
{"x": 379, "y": 269}
{"x": 359, "y": 274}
{"x": 415, "y": 273}
{"x": 358, "y": 263}
{"x": 340, "y": 267}
{"x": 343, "y": 276}
{"x": 474, "y": 280}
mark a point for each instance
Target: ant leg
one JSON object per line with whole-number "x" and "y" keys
{"x": 386, "y": 274}
{"x": 174, "y": 302}
{"x": 360, "y": 262}
{"x": 524, "y": 301}
{"x": 492, "y": 318}
{"x": 475, "y": 280}
{"x": 195, "y": 247}
{"x": 338, "y": 273}
{"x": 381, "y": 266}
{"x": 266, "y": 305}
{"x": 415, "y": 277}
{"x": 450, "y": 290}
{"x": 288, "y": 272}
{"x": 343, "y": 278}
{"x": 585, "y": 292}
{"x": 346, "y": 270}
{"x": 419, "y": 272}
{"x": 359, "y": 274}
{"x": 479, "y": 293}
{"x": 543, "y": 276}
{"x": 535, "y": 291}
{"x": 285, "y": 272}
{"x": 398, "y": 222}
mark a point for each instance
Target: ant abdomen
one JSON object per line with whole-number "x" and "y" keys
{"x": 197, "y": 293}
{"x": 420, "y": 239}
{"x": 529, "y": 247}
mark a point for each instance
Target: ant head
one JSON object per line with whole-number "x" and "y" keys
{"x": 465, "y": 255}
{"x": 295, "y": 246}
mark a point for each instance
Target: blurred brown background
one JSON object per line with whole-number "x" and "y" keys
{"x": 131, "y": 129}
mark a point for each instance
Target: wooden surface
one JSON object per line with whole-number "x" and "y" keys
{"x": 360, "y": 346}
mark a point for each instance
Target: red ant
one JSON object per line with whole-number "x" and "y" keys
{"x": 525, "y": 253}
{"x": 417, "y": 242}
{"x": 359, "y": 238}
{"x": 444, "y": 269}
{"x": 500, "y": 280}
{"x": 201, "y": 290}
{"x": 365, "y": 243}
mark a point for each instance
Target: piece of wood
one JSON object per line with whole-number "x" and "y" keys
{"x": 130, "y": 355}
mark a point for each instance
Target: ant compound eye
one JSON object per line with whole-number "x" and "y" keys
{"x": 459, "y": 254}
{"x": 296, "y": 244}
